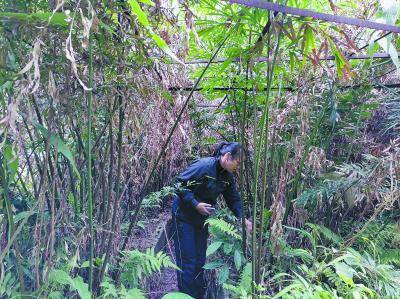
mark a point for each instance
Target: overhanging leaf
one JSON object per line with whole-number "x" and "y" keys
{"x": 345, "y": 272}
{"x": 213, "y": 248}
{"x": 61, "y": 147}
{"x": 163, "y": 45}
{"x": 57, "y": 19}
{"x": 141, "y": 15}
{"x": 388, "y": 46}
{"x": 144, "y": 21}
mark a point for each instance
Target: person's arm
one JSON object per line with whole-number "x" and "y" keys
{"x": 192, "y": 175}
{"x": 232, "y": 198}
{"x": 234, "y": 202}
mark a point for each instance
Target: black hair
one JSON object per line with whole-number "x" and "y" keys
{"x": 235, "y": 148}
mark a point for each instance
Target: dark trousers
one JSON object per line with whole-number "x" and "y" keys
{"x": 190, "y": 248}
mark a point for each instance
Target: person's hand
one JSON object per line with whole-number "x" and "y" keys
{"x": 249, "y": 225}
{"x": 202, "y": 208}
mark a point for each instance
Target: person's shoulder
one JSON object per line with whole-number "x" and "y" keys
{"x": 209, "y": 160}
{"x": 205, "y": 162}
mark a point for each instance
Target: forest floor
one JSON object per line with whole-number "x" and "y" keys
{"x": 165, "y": 281}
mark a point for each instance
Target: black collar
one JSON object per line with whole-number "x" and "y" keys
{"x": 220, "y": 169}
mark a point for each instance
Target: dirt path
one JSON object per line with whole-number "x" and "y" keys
{"x": 164, "y": 282}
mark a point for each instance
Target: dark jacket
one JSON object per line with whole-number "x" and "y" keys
{"x": 204, "y": 181}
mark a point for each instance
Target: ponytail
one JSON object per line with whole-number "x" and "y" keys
{"x": 235, "y": 148}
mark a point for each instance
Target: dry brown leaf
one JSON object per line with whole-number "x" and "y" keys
{"x": 33, "y": 84}
{"x": 87, "y": 24}
{"x": 69, "y": 53}
{"x": 52, "y": 88}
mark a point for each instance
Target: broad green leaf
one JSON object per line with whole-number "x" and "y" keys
{"x": 305, "y": 255}
{"x": 326, "y": 232}
{"x": 345, "y": 272}
{"x": 62, "y": 148}
{"x": 137, "y": 10}
{"x": 237, "y": 257}
{"x": 11, "y": 159}
{"x": 213, "y": 248}
{"x": 394, "y": 56}
{"x": 107, "y": 28}
{"x": 228, "y": 247}
{"x": 57, "y": 19}
{"x": 223, "y": 274}
{"x": 213, "y": 265}
{"x": 372, "y": 48}
{"x": 387, "y": 45}
{"x": 163, "y": 45}
{"x": 176, "y": 295}
{"x": 309, "y": 40}
{"x": 142, "y": 17}
{"x": 23, "y": 215}
{"x": 81, "y": 287}
{"x": 340, "y": 60}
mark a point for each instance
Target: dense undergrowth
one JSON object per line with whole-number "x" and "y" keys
{"x": 104, "y": 102}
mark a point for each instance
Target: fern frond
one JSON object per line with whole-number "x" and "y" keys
{"x": 326, "y": 233}
{"x": 224, "y": 227}
{"x": 303, "y": 254}
{"x": 333, "y": 278}
{"x": 390, "y": 256}
{"x": 245, "y": 277}
{"x": 137, "y": 265}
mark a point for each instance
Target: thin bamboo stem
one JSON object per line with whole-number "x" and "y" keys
{"x": 89, "y": 163}
{"x": 262, "y": 141}
{"x": 10, "y": 220}
{"x": 117, "y": 187}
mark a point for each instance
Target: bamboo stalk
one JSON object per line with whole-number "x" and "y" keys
{"x": 38, "y": 227}
{"x": 255, "y": 193}
{"x": 117, "y": 187}
{"x": 10, "y": 220}
{"x": 296, "y": 179}
{"x": 262, "y": 142}
{"x": 241, "y": 175}
{"x": 89, "y": 162}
